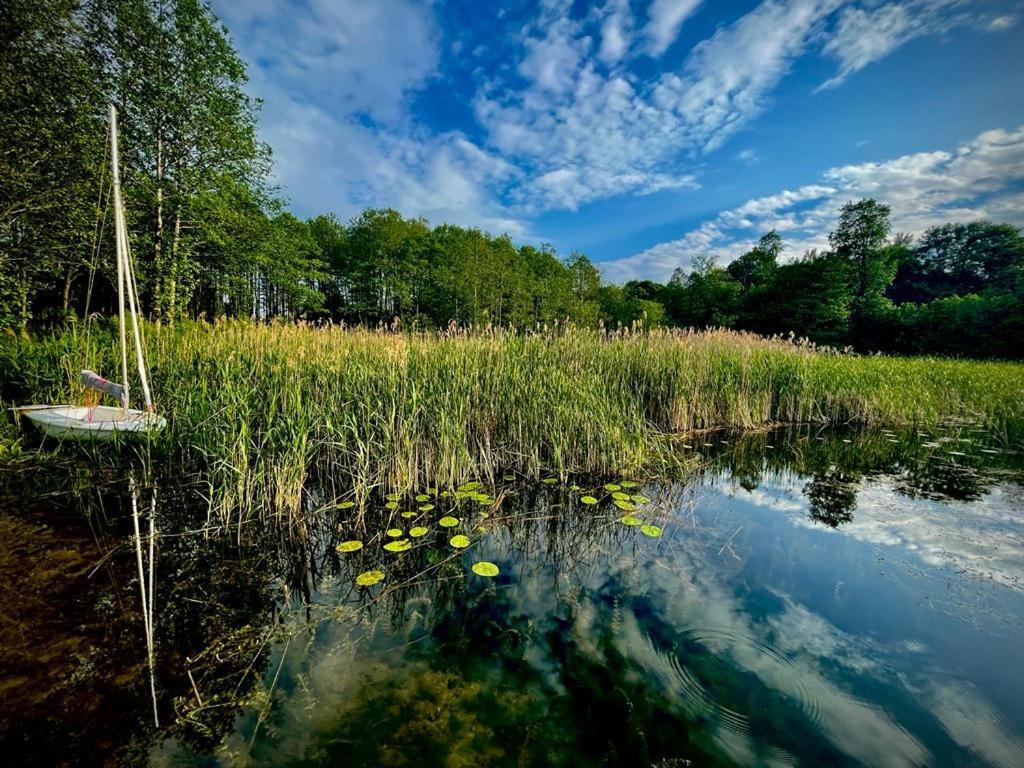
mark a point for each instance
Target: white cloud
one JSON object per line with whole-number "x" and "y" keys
{"x": 665, "y": 17}
{"x": 978, "y": 179}
{"x": 336, "y": 112}
{"x": 999, "y": 23}
{"x": 616, "y": 31}
{"x": 358, "y": 58}
{"x": 867, "y": 34}
{"x": 566, "y": 121}
{"x": 609, "y": 134}
{"x": 747, "y": 156}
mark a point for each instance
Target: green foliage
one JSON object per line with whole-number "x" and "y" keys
{"x": 709, "y": 297}
{"x": 960, "y": 259}
{"x": 757, "y": 266}
{"x": 262, "y": 409}
{"x": 211, "y": 239}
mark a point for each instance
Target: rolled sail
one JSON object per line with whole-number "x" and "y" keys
{"x": 95, "y": 381}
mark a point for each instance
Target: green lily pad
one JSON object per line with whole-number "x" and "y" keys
{"x": 345, "y": 505}
{"x": 612, "y": 487}
{"x": 468, "y": 486}
{"x": 408, "y": 514}
{"x": 422, "y": 497}
{"x": 630, "y": 520}
{"x": 349, "y": 546}
{"x": 426, "y": 507}
{"x": 393, "y": 496}
{"x": 639, "y": 498}
{"x": 401, "y": 545}
{"x": 483, "y": 568}
{"x": 574, "y": 487}
{"x": 620, "y": 496}
{"x": 369, "y": 578}
{"x": 394, "y": 533}
{"x": 625, "y": 506}
{"x": 588, "y": 500}
{"x": 459, "y": 542}
{"x": 650, "y": 530}
{"x": 549, "y": 480}
{"x": 391, "y": 505}
{"x": 627, "y": 484}
{"x": 448, "y": 521}
{"x": 418, "y": 531}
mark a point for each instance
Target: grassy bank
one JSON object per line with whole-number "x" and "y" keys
{"x": 264, "y": 408}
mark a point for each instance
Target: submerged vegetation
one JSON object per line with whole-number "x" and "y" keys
{"x": 262, "y": 409}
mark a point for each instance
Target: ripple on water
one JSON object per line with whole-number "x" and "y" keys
{"x": 772, "y": 666}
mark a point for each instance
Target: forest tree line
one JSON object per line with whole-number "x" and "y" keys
{"x": 212, "y": 238}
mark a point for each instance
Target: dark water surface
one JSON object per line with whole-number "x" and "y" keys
{"x": 816, "y": 598}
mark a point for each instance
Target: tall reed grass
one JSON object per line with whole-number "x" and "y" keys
{"x": 264, "y": 409}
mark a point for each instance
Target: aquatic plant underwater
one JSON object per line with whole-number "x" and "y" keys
{"x": 263, "y": 409}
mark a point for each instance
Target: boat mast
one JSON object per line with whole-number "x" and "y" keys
{"x": 126, "y": 275}
{"x": 115, "y": 169}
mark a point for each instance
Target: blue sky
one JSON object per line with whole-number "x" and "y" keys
{"x": 644, "y": 133}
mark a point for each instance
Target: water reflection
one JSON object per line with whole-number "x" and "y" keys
{"x": 810, "y": 602}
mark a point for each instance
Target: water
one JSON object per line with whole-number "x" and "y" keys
{"x": 815, "y": 599}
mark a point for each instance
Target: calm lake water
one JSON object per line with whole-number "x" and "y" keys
{"x": 816, "y": 598}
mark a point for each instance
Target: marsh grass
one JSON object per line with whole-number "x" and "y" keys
{"x": 264, "y": 409}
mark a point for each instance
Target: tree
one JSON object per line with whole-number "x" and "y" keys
{"x": 809, "y": 297}
{"x": 330, "y": 236}
{"x": 757, "y": 266}
{"x": 861, "y": 239}
{"x": 959, "y": 259}
{"x": 710, "y": 297}
{"x": 51, "y": 145}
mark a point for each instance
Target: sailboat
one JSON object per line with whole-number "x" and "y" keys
{"x": 98, "y": 423}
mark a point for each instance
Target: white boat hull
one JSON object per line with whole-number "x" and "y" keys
{"x": 97, "y": 424}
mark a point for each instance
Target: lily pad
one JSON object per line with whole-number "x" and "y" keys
{"x": 625, "y": 506}
{"x": 394, "y": 533}
{"x": 391, "y": 505}
{"x": 345, "y": 505}
{"x": 408, "y": 514}
{"x": 468, "y": 486}
{"x": 448, "y": 521}
{"x": 574, "y": 487}
{"x": 630, "y": 520}
{"x": 639, "y": 498}
{"x": 393, "y": 496}
{"x": 369, "y": 578}
{"x": 459, "y": 542}
{"x": 426, "y": 507}
{"x": 612, "y": 487}
{"x": 418, "y": 531}
{"x": 549, "y": 480}
{"x": 588, "y": 500}
{"x": 650, "y": 530}
{"x": 621, "y": 496}
{"x": 483, "y": 568}
{"x": 627, "y": 484}
{"x": 349, "y": 546}
{"x": 422, "y": 497}
{"x": 401, "y": 545}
